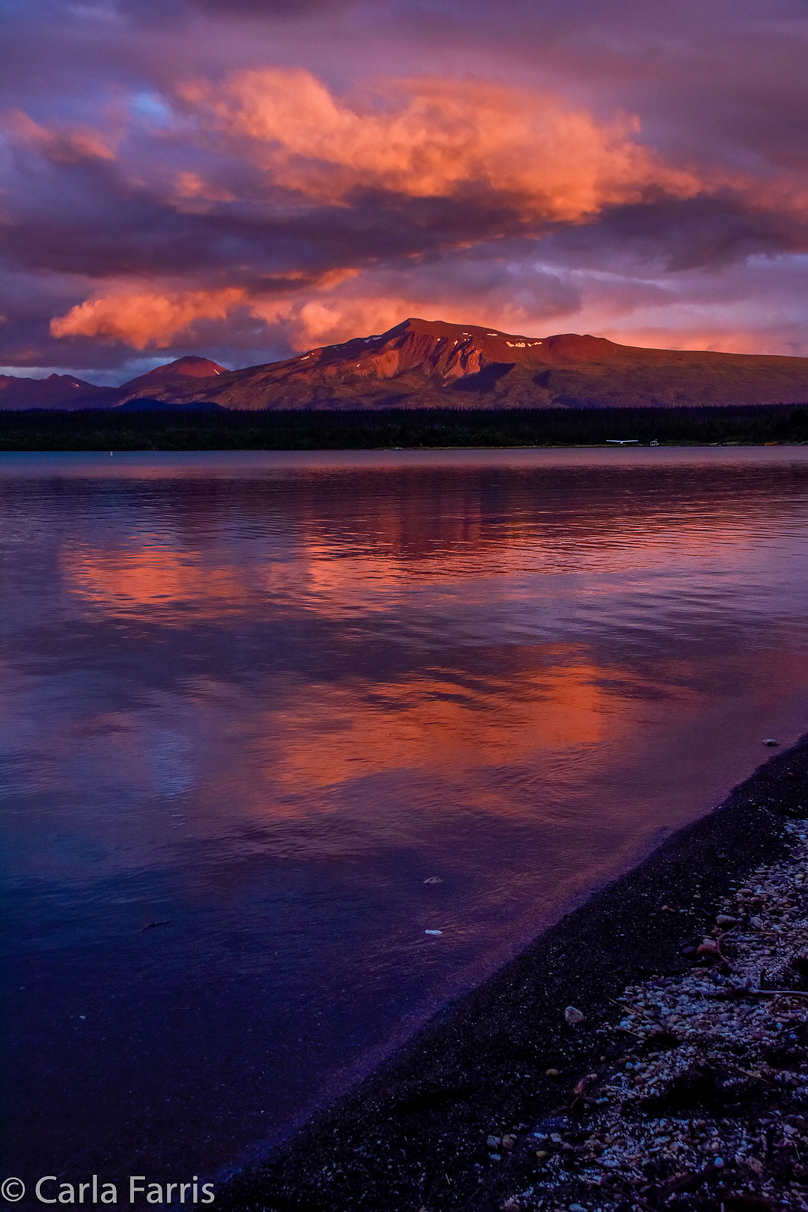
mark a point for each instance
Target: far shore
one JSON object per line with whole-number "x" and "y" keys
{"x": 201, "y": 428}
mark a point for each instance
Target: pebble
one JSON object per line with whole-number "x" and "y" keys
{"x": 626, "y": 1136}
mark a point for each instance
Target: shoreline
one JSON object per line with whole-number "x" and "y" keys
{"x": 413, "y": 1135}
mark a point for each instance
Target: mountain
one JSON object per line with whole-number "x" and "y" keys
{"x": 429, "y": 364}
{"x": 57, "y": 391}
{"x": 175, "y": 372}
{"x": 65, "y": 392}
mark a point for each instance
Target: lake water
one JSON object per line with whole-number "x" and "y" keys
{"x": 264, "y": 699}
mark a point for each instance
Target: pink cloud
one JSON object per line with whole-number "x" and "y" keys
{"x": 433, "y": 138}
{"x": 60, "y": 146}
{"x": 143, "y": 317}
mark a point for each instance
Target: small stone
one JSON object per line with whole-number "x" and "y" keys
{"x": 577, "y": 1208}
{"x": 493, "y": 1142}
{"x": 724, "y": 919}
{"x": 770, "y": 741}
{"x": 573, "y": 1015}
{"x": 433, "y": 879}
{"x": 551, "y": 1073}
{"x": 495, "y": 1156}
{"x": 541, "y": 1154}
{"x": 718, "y": 1162}
{"x": 508, "y": 1142}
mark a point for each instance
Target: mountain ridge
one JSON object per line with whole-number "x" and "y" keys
{"x": 433, "y": 364}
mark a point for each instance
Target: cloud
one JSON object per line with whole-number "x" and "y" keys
{"x": 339, "y": 305}
{"x": 144, "y": 318}
{"x": 433, "y": 138}
{"x": 424, "y": 168}
{"x": 60, "y": 146}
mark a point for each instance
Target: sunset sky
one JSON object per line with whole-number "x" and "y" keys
{"x": 249, "y": 178}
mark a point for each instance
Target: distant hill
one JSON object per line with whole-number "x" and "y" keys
{"x": 57, "y": 391}
{"x": 65, "y": 392}
{"x": 429, "y": 364}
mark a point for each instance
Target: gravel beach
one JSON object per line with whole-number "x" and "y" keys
{"x": 649, "y": 1051}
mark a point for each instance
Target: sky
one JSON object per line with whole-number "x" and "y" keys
{"x": 247, "y": 179}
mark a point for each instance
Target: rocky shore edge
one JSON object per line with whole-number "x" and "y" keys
{"x": 649, "y": 1051}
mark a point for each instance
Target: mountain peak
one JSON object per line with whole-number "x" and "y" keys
{"x": 189, "y": 367}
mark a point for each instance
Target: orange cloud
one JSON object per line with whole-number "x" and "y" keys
{"x": 434, "y": 138}
{"x": 194, "y": 195}
{"x": 59, "y": 146}
{"x": 318, "y": 314}
{"x": 317, "y": 321}
{"x": 515, "y": 152}
{"x": 145, "y": 317}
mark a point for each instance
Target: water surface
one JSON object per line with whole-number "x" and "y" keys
{"x": 262, "y": 699}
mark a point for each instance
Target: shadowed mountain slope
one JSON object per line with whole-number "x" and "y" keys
{"x": 57, "y": 391}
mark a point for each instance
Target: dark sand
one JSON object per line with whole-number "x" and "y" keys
{"x": 413, "y": 1135}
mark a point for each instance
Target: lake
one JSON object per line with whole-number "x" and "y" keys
{"x": 269, "y": 719}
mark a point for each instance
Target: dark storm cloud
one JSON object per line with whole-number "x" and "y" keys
{"x": 707, "y": 232}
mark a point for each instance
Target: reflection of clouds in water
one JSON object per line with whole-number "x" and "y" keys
{"x": 154, "y": 577}
{"x": 424, "y": 627}
{"x": 326, "y": 735}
